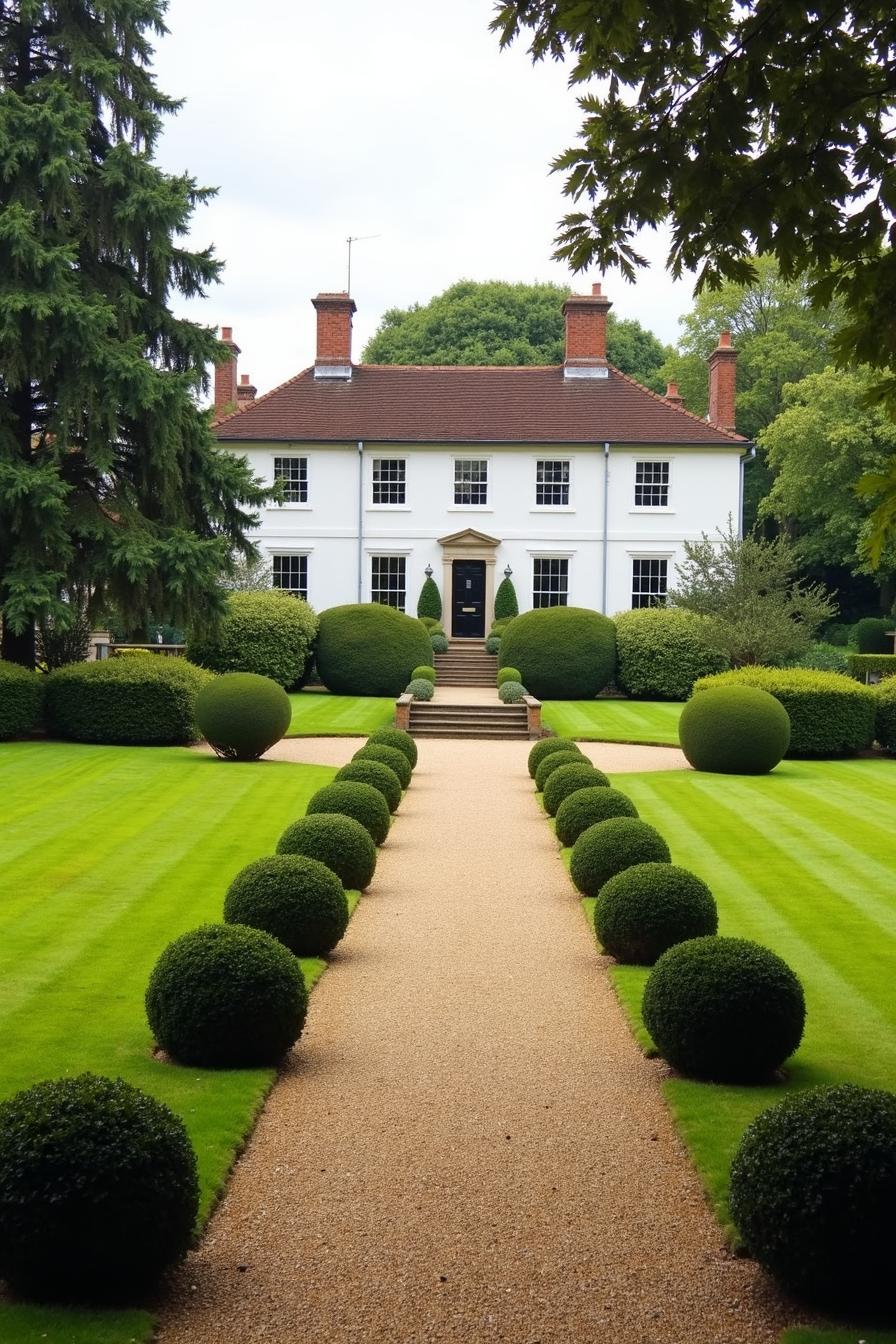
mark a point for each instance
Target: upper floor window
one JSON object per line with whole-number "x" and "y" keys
{"x": 650, "y": 577}
{"x": 388, "y": 580}
{"x": 388, "y": 480}
{"x": 471, "y": 481}
{"x": 552, "y": 484}
{"x": 651, "y": 485}
{"x": 290, "y": 572}
{"x": 292, "y": 472}
{"x": 550, "y": 581}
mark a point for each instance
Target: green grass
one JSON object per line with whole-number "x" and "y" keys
{"x": 319, "y": 714}
{"x": 108, "y": 854}
{"x": 651, "y": 721}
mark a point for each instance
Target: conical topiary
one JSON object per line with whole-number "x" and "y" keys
{"x": 506, "y": 605}
{"x": 429, "y": 603}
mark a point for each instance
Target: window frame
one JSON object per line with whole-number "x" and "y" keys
{"x": 652, "y": 462}
{"x": 659, "y": 559}
{"x": 400, "y": 558}
{"x": 484, "y": 507}
{"x": 373, "y": 502}
{"x": 293, "y": 457}
{"x": 554, "y": 508}
{"x": 562, "y": 577}
{"x": 290, "y": 555}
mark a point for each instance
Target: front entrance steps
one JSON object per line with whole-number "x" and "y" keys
{"x": 430, "y": 719}
{"x": 466, "y": 664}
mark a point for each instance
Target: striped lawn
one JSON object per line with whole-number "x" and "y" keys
{"x": 319, "y": 714}
{"x": 108, "y": 853}
{"x": 651, "y": 721}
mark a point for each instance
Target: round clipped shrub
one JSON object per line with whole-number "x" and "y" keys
{"x": 568, "y": 779}
{"x": 268, "y": 632}
{"x": 650, "y": 907}
{"x": 609, "y": 847}
{"x": 506, "y": 604}
{"x": 813, "y": 1188}
{"x": 724, "y": 1009}
{"x": 493, "y": 644}
{"x": 395, "y": 737}
{"x": 381, "y": 776}
{"x": 226, "y": 996}
{"x": 662, "y": 651}
{"x": 586, "y": 807}
{"x": 369, "y": 649}
{"x": 734, "y": 730}
{"x": 420, "y": 689}
{"x": 548, "y": 764}
{"x": 870, "y": 634}
{"x": 508, "y": 674}
{"x": 439, "y": 642}
{"x": 512, "y": 693}
{"x": 885, "y": 714}
{"x": 146, "y": 700}
{"x": 241, "y": 714}
{"x": 563, "y": 653}
{"x": 545, "y": 746}
{"x": 391, "y": 756}
{"x": 340, "y": 842}
{"x": 21, "y": 700}
{"x": 296, "y": 899}
{"x": 830, "y": 714}
{"x": 424, "y": 673}
{"x": 355, "y": 799}
{"x": 98, "y": 1190}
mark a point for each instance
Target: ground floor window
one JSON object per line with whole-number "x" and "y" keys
{"x": 550, "y": 581}
{"x": 290, "y": 572}
{"x": 387, "y": 580}
{"x": 649, "y": 582}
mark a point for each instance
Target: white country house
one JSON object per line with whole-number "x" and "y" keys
{"x": 574, "y": 479}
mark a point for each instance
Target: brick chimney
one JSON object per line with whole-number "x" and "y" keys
{"x": 586, "y": 335}
{"x": 722, "y": 383}
{"x": 225, "y": 376}
{"x": 334, "y": 336}
{"x": 673, "y": 396}
{"x": 246, "y": 392}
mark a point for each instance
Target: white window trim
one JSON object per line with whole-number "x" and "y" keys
{"x": 652, "y": 508}
{"x": 489, "y": 481}
{"x": 392, "y": 553}
{"x": 553, "y": 508}
{"x": 289, "y": 506}
{"x": 648, "y": 555}
{"x": 389, "y": 508}
{"x": 551, "y": 555}
{"x": 288, "y": 551}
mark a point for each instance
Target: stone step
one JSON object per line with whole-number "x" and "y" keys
{"x": 469, "y": 721}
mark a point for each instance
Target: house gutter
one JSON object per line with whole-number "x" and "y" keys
{"x": 606, "y": 523}
{"x": 360, "y": 520}
{"x": 744, "y": 459}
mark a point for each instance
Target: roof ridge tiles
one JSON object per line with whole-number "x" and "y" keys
{"x": 681, "y": 410}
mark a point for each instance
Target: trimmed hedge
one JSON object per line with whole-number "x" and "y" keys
{"x": 648, "y": 908}
{"x": 563, "y": 653}
{"x": 813, "y": 1189}
{"x": 508, "y": 674}
{"x": 269, "y": 632}
{"x": 724, "y": 1009}
{"x": 142, "y": 701}
{"x": 885, "y": 715}
{"x": 241, "y": 714}
{"x": 870, "y": 634}
{"x": 391, "y": 756}
{"x": 98, "y": 1190}
{"x": 662, "y": 651}
{"x": 21, "y": 700}
{"x": 438, "y": 642}
{"x": 425, "y": 674}
{"x": 382, "y": 777}
{"x": 859, "y": 665}
{"x": 586, "y": 807}
{"x": 343, "y": 844}
{"x": 226, "y": 996}
{"x": 296, "y": 899}
{"x": 734, "y": 730}
{"x": 568, "y": 779}
{"x": 545, "y": 746}
{"x": 351, "y": 798}
{"x": 570, "y": 755}
{"x": 398, "y": 738}
{"x": 506, "y": 604}
{"x": 830, "y": 714}
{"x": 369, "y": 649}
{"x": 433, "y": 626}
{"x": 420, "y": 688}
{"x": 609, "y": 847}
{"x": 512, "y": 693}
{"x": 493, "y": 644}
{"x": 429, "y": 603}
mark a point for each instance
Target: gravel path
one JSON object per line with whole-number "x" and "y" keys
{"x": 467, "y": 1145}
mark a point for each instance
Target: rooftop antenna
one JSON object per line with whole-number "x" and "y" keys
{"x": 356, "y": 239}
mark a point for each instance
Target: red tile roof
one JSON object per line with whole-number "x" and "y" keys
{"x": 391, "y": 403}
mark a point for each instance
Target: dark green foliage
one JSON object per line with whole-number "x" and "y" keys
{"x": 240, "y": 715}
{"x": 98, "y": 1190}
{"x": 512, "y": 693}
{"x": 885, "y": 714}
{"x": 734, "y": 730}
{"x": 586, "y": 807}
{"x": 724, "y": 1008}
{"x": 433, "y": 626}
{"x": 354, "y": 799}
{"x": 439, "y": 642}
{"x": 662, "y": 652}
{"x": 569, "y": 755}
{"x": 493, "y": 644}
{"x": 836, "y": 633}
{"x": 648, "y": 908}
{"x": 421, "y": 688}
{"x": 499, "y": 626}
{"x": 369, "y": 649}
{"x": 569, "y": 779}
{"x": 563, "y": 653}
{"x": 225, "y": 996}
{"x": 506, "y": 604}
{"x": 830, "y": 714}
{"x": 870, "y": 634}
{"x": 381, "y": 776}
{"x": 813, "y": 1188}
{"x": 21, "y": 700}
{"x": 508, "y": 674}
{"x": 429, "y": 603}
{"x": 425, "y": 673}
{"x": 298, "y": 900}
{"x": 270, "y": 633}
{"x": 340, "y": 842}
{"x": 546, "y": 746}
{"x": 60, "y": 642}
{"x": 391, "y": 756}
{"x": 823, "y": 657}
{"x": 609, "y": 847}
{"x": 860, "y": 664}
{"x": 397, "y": 738}
{"x": 142, "y": 700}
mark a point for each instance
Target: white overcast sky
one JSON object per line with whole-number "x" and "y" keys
{"x": 399, "y": 118}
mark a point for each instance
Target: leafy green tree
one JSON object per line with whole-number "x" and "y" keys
{"x": 110, "y": 480}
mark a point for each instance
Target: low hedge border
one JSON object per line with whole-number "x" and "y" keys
{"x": 861, "y": 664}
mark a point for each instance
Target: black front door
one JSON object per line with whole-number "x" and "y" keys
{"x": 468, "y": 599}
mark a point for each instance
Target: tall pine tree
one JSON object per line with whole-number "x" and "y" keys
{"x": 110, "y": 479}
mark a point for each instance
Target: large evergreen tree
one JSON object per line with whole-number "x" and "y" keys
{"x": 110, "y": 479}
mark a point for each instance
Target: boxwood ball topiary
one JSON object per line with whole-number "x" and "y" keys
{"x": 391, "y": 756}
{"x": 724, "y": 1008}
{"x": 397, "y": 738}
{"x": 382, "y": 777}
{"x": 424, "y": 673}
{"x": 734, "y": 730}
{"x": 241, "y": 714}
{"x": 508, "y": 674}
{"x": 545, "y": 746}
{"x": 586, "y": 807}
{"x": 512, "y": 693}
{"x": 650, "y": 907}
{"x": 438, "y": 642}
{"x": 369, "y": 649}
{"x": 98, "y": 1190}
{"x": 830, "y": 714}
{"x": 296, "y": 899}
{"x": 813, "y": 1189}
{"x": 354, "y": 799}
{"x": 569, "y": 779}
{"x": 547, "y": 766}
{"x": 563, "y": 653}
{"x": 226, "y": 996}
{"x": 340, "y": 842}
{"x": 420, "y": 688}
{"x": 609, "y": 847}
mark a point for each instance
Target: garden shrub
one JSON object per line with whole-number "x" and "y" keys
{"x": 439, "y": 642}
{"x": 226, "y": 996}
{"x": 570, "y": 755}
{"x": 420, "y": 689}
{"x": 512, "y": 693}
{"x": 568, "y": 779}
{"x": 493, "y": 644}
{"x": 340, "y": 842}
{"x": 563, "y": 653}
{"x": 506, "y": 604}
{"x": 499, "y": 626}
{"x": 813, "y": 1189}
{"x": 296, "y": 899}
{"x": 734, "y": 730}
{"x": 241, "y": 714}
{"x": 397, "y": 738}
{"x": 859, "y": 665}
{"x": 870, "y": 634}
{"x": 142, "y": 701}
{"x": 609, "y": 847}
{"x": 380, "y": 776}
{"x": 823, "y": 658}
{"x": 648, "y": 908}
{"x": 354, "y": 799}
{"x": 391, "y": 756}
{"x": 21, "y": 700}
{"x": 662, "y": 651}
{"x": 885, "y": 715}
{"x": 426, "y": 673}
{"x": 268, "y": 632}
{"x": 369, "y": 649}
{"x": 836, "y": 633}
{"x": 830, "y": 714}
{"x": 546, "y": 746}
{"x": 508, "y": 674}
{"x": 429, "y": 603}
{"x": 586, "y": 807}
{"x": 98, "y": 1190}
{"x": 724, "y": 1009}
{"x": 433, "y": 627}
